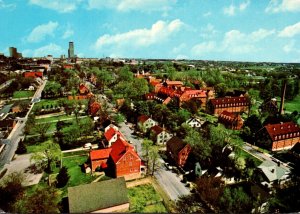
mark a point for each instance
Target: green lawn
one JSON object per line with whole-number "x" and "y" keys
{"x": 23, "y": 94}
{"x": 293, "y": 105}
{"x": 46, "y": 102}
{"x": 77, "y": 176}
{"x": 55, "y": 118}
{"x": 144, "y": 198}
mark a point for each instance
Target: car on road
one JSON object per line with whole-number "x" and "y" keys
{"x": 87, "y": 145}
{"x": 168, "y": 166}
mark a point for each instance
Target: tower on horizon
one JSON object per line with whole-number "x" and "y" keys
{"x": 71, "y": 50}
{"x": 14, "y": 53}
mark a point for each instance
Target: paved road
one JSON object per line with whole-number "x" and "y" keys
{"x": 9, "y": 150}
{"x": 7, "y": 83}
{"x": 263, "y": 156}
{"x": 169, "y": 181}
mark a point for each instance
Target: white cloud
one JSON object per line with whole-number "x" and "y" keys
{"x": 131, "y": 5}
{"x": 52, "y": 49}
{"x": 289, "y": 47}
{"x": 207, "y": 14}
{"x": 230, "y": 11}
{"x": 234, "y": 42}
{"x": 61, "y": 6}
{"x": 179, "y": 48}
{"x": 244, "y": 5}
{"x": 208, "y": 31}
{"x": 204, "y": 47}
{"x": 260, "y": 34}
{"x": 276, "y": 6}
{"x": 159, "y": 32}
{"x": 4, "y": 5}
{"x": 290, "y": 31}
{"x": 40, "y": 32}
{"x": 68, "y": 33}
{"x": 233, "y": 9}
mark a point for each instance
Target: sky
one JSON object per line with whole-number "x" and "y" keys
{"x": 231, "y": 30}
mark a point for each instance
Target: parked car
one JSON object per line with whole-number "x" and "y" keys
{"x": 87, "y": 145}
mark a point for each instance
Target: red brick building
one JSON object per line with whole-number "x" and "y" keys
{"x": 178, "y": 150}
{"x": 99, "y": 158}
{"x": 230, "y": 104}
{"x": 280, "y": 136}
{"x": 121, "y": 158}
{"x": 231, "y": 120}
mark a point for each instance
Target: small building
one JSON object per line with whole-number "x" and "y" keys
{"x": 111, "y": 134}
{"x": 195, "y": 122}
{"x": 273, "y": 173}
{"x": 279, "y": 136}
{"x": 159, "y": 135}
{"x": 231, "y": 120}
{"x": 144, "y": 123}
{"x": 231, "y": 104}
{"x": 99, "y": 158}
{"x": 83, "y": 89}
{"x": 104, "y": 197}
{"x": 178, "y": 150}
{"x": 7, "y": 124}
{"x": 33, "y": 74}
{"x": 94, "y": 108}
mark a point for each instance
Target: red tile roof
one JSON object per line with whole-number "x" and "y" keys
{"x": 100, "y": 154}
{"x": 119, "y": 148}
{"x": 240, "y": 101}
{"x": 94, "y": 108}
{"x": 33, "y": 74}
{"x": 229, "y": 115}
{"x": 111, "y": 132}
{"x": 286, "y": 130}
{"x": 143, "y": 118}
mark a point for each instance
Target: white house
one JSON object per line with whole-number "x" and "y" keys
{"x": 160, "y": 135}
{"x": 195, "y": 122}
{"x": 145, "y": 123}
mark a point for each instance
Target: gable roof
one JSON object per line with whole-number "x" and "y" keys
{"x": 272, "y": 171}
{"x": 98, "y": 195}
{"x": 229, "y": 116}
{"x": 119, "y": 148}
{"x": 195, "y": 119}
{"x": 100, "y": 154}
{"x": 176, "y": 145}
{"x": 94, "y": 107}
{"x": 111, "y": 132}
{"x": 143, "y": 118}
{"x": 156, "y": 129}
{"x": 282, "y": 129}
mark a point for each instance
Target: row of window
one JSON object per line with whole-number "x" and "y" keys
{"x": 231, "y": 105}
{"x": 295, "y": 134}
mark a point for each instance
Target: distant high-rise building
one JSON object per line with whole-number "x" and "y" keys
{"x": 71, "y": 50}
{"x": 13, "y": 52}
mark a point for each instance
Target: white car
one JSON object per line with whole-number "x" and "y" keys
{"x": 87, "y": 145}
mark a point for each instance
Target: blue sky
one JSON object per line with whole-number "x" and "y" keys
{"x": 235, "y": 30}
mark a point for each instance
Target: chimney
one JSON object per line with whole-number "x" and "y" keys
{"x": 282, "y": 97}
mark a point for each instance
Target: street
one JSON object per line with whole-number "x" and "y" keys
{"x": 168, "y": 180}
{"x": 9, "y": 150}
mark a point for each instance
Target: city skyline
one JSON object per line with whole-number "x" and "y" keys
{"x": 241, "y": 30}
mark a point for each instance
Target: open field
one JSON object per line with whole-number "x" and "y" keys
{"x": 293, "y": 105}
{"x": 23, "y": 94}
{"x": 144, "y": 198}
{"x": 55, "y": 118}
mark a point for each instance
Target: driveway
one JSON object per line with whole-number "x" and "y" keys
{"x": 127, "y": 132}
{"x": 22, "y": 164}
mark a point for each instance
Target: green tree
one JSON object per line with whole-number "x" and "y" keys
{"x": 119, "y": 118}
{"x": 48, "y": 152}
{"x": 146, "y": 147}
{"x": 42, "y": 200}
{"x": 42, "y": 129}
{"x": 11, "y": 189}
{"x": 153, "y": 159}
{"x": 189, "y": 204}
{"x": 63, "y": 177}
{"x": 21, "y": 148}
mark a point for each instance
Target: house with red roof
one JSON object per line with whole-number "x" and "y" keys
{"x": 111, "y": 134}
{"x": 144, "y": 123}
{"x": 178, "y": 150}
{"x": 231, "y": 120}
{"x": 231, "y": 104}
{"x": 279, "y": 136}
{"x": 94, "y": 108}
{"x": 83, "y": 89}
{"x": 159, "y": 135}
{"x": 33, "y": 74}
{"x": 98, "y": 158}
{"x": 121, "y": 158}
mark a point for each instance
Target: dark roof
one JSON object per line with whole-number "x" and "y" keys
{"x": 176, "y": 145}
{"x": 283, "y": 129}
{"x": 143, "y": 118}
{"x": 98, "y": 195}
{"x": 156, "y": 129}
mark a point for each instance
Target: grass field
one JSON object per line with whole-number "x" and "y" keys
{"x": 55, "y": 118}
{"x": 23, "y": 94}
{"x": 144, "y": 198}
{"x": 293, "y": 105}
